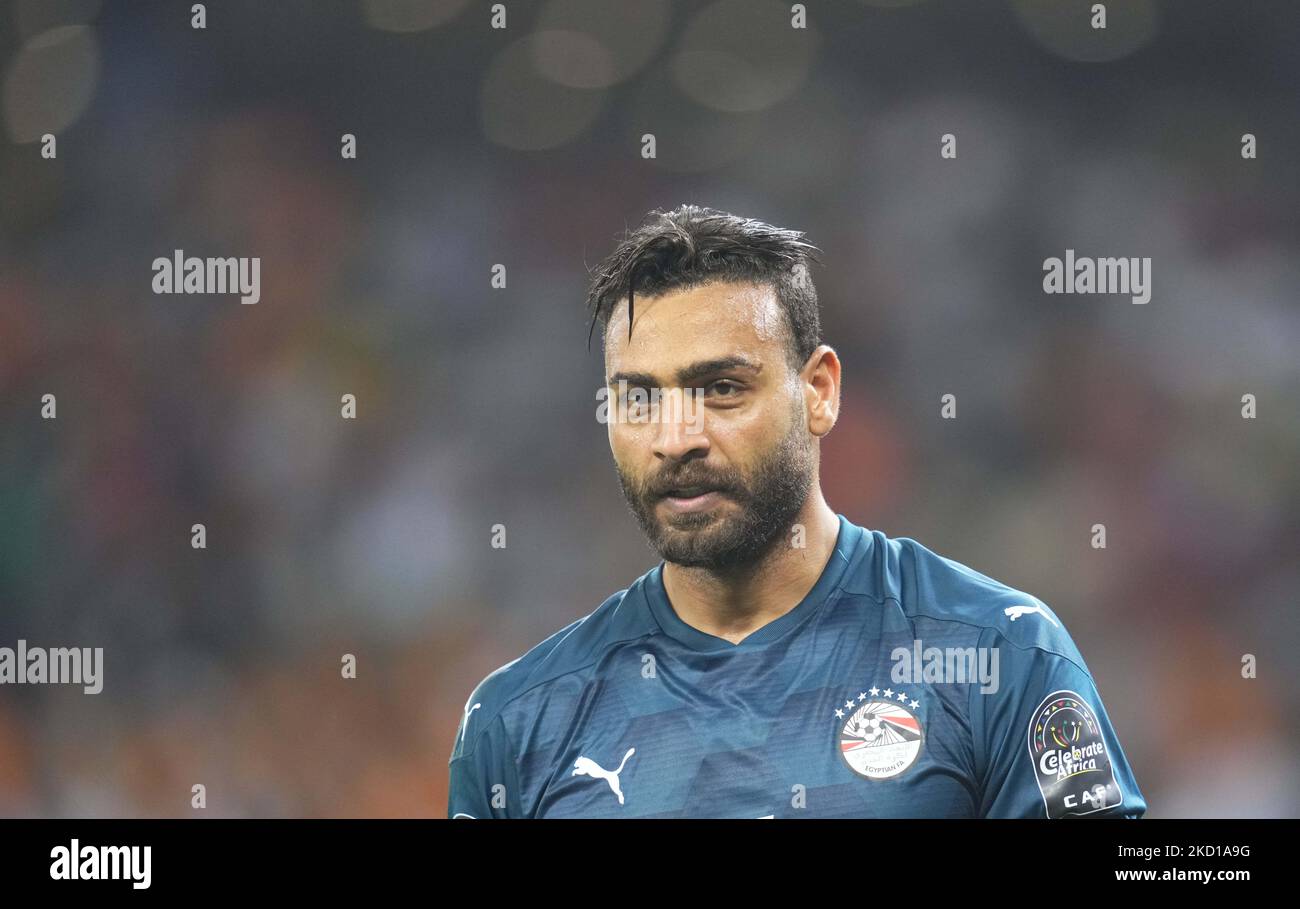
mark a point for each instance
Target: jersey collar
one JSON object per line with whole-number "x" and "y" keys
{"x": 846, "y": 544}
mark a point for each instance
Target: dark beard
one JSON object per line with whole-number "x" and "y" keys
{"x": 710, "y": 540}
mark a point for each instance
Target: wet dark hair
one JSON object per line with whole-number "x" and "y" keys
{"x": 692, "y": 246}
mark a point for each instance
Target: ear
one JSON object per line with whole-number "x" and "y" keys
{"x": 821, "y": 385}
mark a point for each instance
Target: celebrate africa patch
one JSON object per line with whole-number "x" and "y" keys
{"x": 881, "y": 737}
{"x": 1070, "y": 759}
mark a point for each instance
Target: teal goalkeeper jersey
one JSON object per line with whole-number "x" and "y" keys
{"x": 903, "y": 685}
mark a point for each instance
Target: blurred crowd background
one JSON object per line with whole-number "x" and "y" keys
{"x": 476, "y": 406}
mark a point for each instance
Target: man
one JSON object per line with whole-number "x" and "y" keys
{"x": 780, "y": 661}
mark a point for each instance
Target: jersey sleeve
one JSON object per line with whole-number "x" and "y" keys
{"x": 1044, "y": 741}
{"x": 483, "y": 778}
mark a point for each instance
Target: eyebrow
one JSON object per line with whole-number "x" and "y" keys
{"x": 692, "y": 373}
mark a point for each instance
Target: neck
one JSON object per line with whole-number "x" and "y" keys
{"x": 734, "y": 603}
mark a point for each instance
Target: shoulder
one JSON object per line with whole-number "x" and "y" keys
{"x": 571, "y": 650}
{"x": 927, "y": 585}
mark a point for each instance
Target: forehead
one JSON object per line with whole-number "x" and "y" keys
{"x": 687, "y": 326}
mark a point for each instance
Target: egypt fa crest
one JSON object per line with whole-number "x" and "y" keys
{"x": 881, "y": 737}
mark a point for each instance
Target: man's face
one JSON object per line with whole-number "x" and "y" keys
{"x": 716, "y": 486}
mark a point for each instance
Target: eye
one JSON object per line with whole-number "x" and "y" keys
{"x": 723, "y": 388}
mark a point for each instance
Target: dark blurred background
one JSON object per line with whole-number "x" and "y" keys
{"x": 476, "y": 406}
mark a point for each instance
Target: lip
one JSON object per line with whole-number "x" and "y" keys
{"x": 686, "y": 505}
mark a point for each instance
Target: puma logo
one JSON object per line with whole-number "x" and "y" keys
{"x": 585, "y": 766}
{"x": 1016, "y": 612}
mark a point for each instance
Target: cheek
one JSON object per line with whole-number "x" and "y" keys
{"x": 748, "y": 437}
{"x": 628, "y": 443}
{"x": 746, "y": 429}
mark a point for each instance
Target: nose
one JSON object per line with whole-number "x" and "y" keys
{"x": 678, "y": 438}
